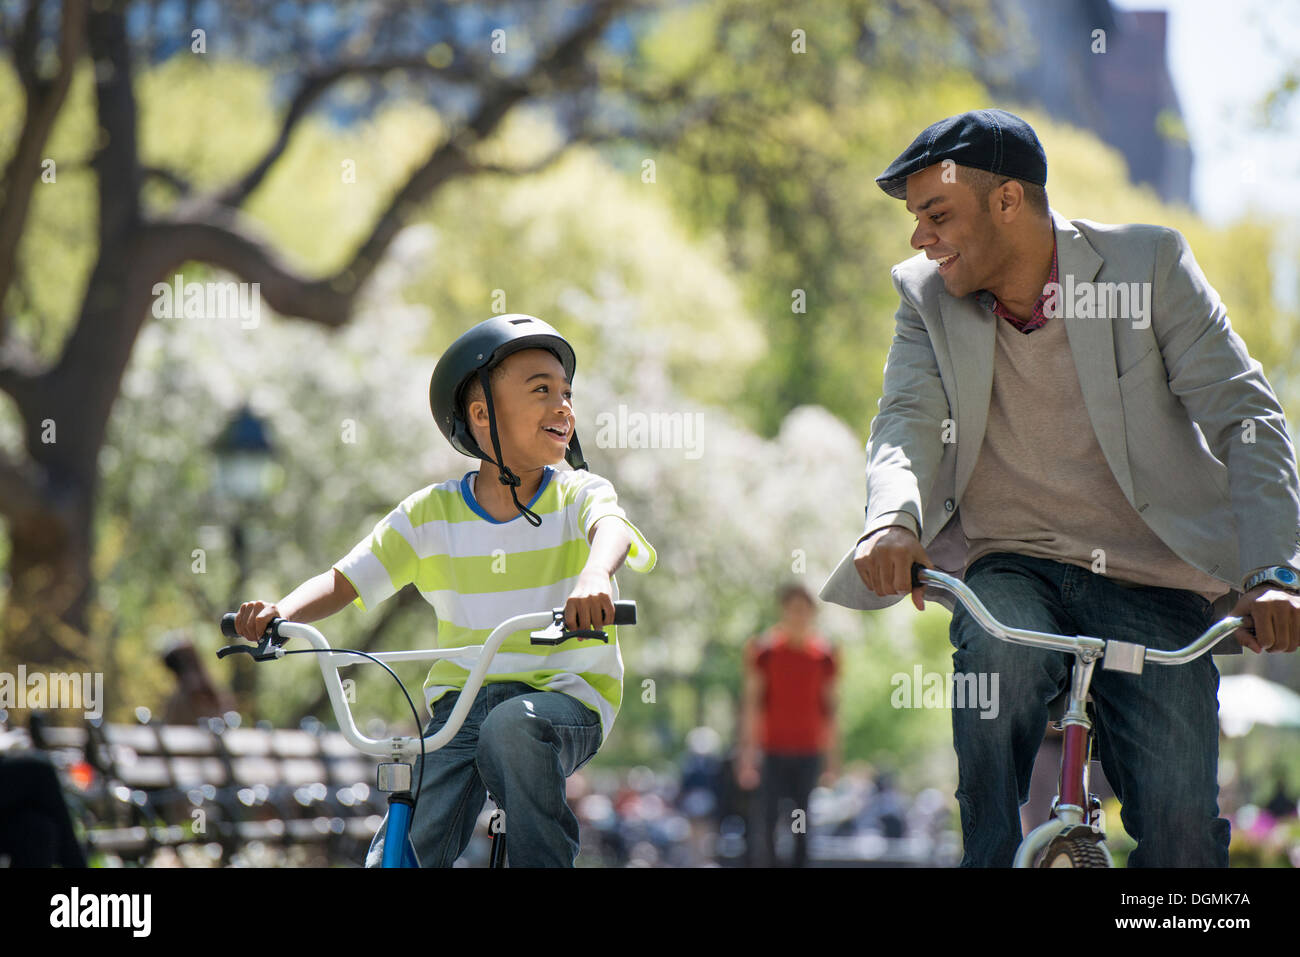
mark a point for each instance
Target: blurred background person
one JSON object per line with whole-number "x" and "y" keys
{"x": 35, "y": 826}
{"x": 196, "y": 695}
{"x": 787, "y": 727}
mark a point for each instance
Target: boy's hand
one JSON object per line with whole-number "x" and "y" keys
{"x": 591, "y": 605}
{"x": 253, "y": 617}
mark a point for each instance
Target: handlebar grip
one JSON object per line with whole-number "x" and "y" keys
{"x": 917, "y": 568}
{"x": 272, "y": 629}
{"x": 625, "y": 612}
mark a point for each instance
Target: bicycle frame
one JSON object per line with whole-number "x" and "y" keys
{"x": 1072, "y": 807}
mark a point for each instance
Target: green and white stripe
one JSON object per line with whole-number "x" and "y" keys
{"x": 476, "y": 572}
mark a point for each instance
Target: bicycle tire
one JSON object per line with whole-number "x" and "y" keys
{"x": 1077, "y": 851}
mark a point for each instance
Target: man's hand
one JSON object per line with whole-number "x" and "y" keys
{"x": 1275, "y": 614}
{"x": 884, "y": 560}
{"x": 591, "y": 604}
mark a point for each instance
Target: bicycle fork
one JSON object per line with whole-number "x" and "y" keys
{"x": 395, "y": 779}
{"x": 1074, "y": 809}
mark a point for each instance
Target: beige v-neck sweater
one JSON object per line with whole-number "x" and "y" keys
{"x": 1042, "y": 486}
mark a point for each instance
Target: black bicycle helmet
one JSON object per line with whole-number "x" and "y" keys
{"x": 475, "y": 353}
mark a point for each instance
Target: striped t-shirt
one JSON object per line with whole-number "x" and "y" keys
{"x": 477, "y": 571}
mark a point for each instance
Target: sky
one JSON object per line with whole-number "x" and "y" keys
{"x": 1225, "y": 57}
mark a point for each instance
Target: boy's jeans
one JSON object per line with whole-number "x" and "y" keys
{"x": 1157, "y": 731}
{"x": 520, "y": 744}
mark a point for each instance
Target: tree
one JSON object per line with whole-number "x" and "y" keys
{"x": 47, "y": 495}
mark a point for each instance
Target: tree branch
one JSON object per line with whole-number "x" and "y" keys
{"x": 169, "y": 177}
{"x": 312, "y": 89}
{"x": 29, "y": 35}
{"x": 449, "y": 159}
{"x": 526, "y": 169}
{"x": 225, "y": 239}
{"x": 45, "y": 99}
{"x": 329, "y": 301}
{"x": 117, "y": 161}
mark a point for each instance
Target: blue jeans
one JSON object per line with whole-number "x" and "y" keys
{"x": 1158, "y": 732}
{"x": 518, "y": 743}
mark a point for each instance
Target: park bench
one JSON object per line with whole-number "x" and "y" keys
{"x": 141, "y": 787}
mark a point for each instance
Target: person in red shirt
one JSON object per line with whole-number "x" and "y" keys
{"x": 787, "y": 722}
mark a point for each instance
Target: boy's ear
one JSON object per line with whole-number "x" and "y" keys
{"x": 475, "y": 411}
{"x": 476, "y": 417}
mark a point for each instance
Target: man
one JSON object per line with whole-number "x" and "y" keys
{"x": 1121, "y": 467}
{"x": 788, "y": 715}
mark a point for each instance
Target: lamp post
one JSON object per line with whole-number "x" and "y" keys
{"x": 244, "y": 463}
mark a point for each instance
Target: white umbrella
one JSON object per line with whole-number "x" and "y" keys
{"x": 1248, "y": 700}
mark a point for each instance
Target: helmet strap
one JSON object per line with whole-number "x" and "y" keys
{"x": 574, "y": 454}
{"x": 504, "y": 474}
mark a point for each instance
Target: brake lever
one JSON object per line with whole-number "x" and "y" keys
{"x": 266, "y": 649}
{"x": 556, "y": 633}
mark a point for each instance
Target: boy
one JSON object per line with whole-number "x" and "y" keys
{"x": 480, "y": 555}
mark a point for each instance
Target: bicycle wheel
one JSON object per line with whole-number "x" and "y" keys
{"x": 1075, "y": 851}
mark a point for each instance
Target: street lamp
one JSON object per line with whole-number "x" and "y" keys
{"x": 245, "y": 460}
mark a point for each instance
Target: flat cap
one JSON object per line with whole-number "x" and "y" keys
{"x": 992, "y": 140}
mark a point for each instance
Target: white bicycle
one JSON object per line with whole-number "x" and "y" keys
{"x": 394, "y": 776}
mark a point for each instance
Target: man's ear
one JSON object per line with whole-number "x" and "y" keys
{"x": 1010, "y": 200}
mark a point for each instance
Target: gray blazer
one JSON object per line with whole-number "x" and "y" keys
{"x": 1167, "y": 397}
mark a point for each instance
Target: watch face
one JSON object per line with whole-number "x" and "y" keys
{"x": 1286, "y": 576}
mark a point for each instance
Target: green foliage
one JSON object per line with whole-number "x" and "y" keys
{"x": 786, "y": 163}
{"x": 786, "y": 168}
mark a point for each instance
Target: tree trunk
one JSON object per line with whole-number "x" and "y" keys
{"x": 45, "y": 623}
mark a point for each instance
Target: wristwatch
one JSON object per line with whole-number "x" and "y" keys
{"x": 1282, "y": 576}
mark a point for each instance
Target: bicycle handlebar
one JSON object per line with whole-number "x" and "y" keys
{"x": 624, "y": 614}
{"x": 1117, "y": 655}
{"x": 547, "y": 628}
